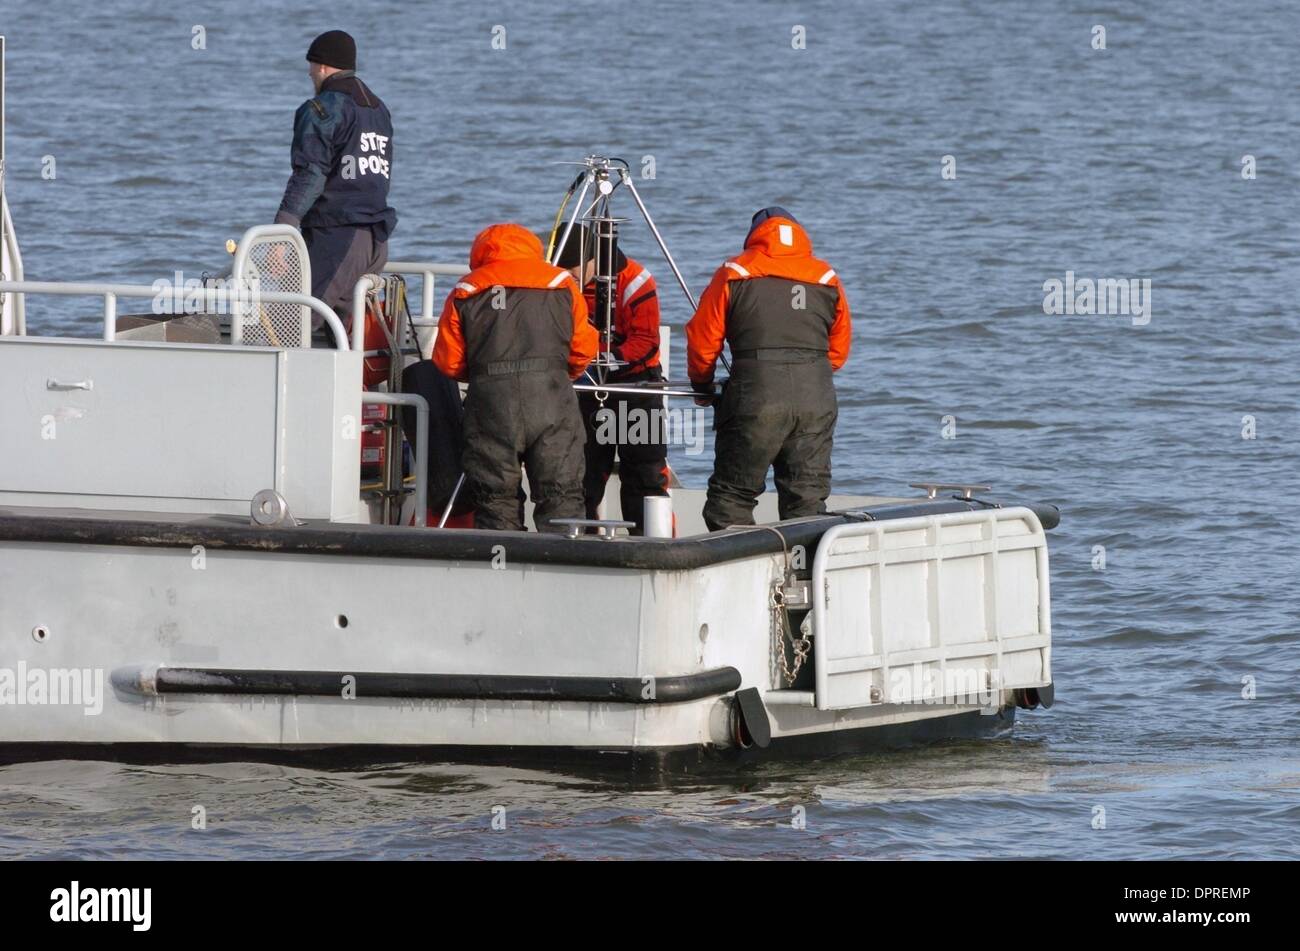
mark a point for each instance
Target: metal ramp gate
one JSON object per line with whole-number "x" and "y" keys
{"x": 936, "y": 609}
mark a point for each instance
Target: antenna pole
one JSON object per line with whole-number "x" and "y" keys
{"x": 2, "y": 114}
{"x": 4, "y": 206}
{"x": 2, "y": 140}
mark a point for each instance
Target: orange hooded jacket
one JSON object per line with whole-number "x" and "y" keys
{"x": 509, "y": 255}
{"x": 778, "y": 247}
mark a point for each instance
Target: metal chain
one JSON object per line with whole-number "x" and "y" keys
{"x": 802, "y": 647}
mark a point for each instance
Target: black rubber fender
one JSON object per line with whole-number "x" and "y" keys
{"x": 752, "y": 724}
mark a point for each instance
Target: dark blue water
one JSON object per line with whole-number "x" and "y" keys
{"x": 1116, "y": 163}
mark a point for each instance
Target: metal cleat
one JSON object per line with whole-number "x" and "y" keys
{"x": 932, "y": 489}
{"x": 573, "y": 527}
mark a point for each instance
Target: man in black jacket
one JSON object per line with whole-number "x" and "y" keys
{"x": 342, "y": 158}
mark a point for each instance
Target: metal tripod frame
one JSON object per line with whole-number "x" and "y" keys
{"x": 606, "y": 174}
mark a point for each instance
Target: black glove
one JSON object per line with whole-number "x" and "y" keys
{"x": 704, "y": 393}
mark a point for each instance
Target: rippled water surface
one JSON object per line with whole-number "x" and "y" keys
{"x": 1117, "y": 163}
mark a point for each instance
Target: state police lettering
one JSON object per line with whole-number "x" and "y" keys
{"x": 376, "y": 162}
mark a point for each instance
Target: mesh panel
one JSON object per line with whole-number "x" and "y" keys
{"x": 274, "y": 265}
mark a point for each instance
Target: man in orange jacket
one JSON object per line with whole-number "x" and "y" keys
{"x": 630, "y": 426}
{"x": 784, "y": 314}
{"x": 516, "y": 329}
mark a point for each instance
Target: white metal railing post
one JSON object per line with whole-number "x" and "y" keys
{"x": 239, "y": 312}
{"x": 421, "y": 444}
{"x": 364, "y": 285}
{"x": 18, "y": 311}
{"x": 110, "y": 316}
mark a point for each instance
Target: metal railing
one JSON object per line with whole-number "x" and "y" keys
{"x": 258, "y": 265}
{"x": 421, "y": 444}
{"x": 18, "y": 308}
{"x": 864, "y": 649}
{"x": 13, "y": 319}
{"x": 392, "y": 472}
{"x": 111, "y": 292}
{"x": 365, "y": 285}
{"x": 218, "y": 296}
{"x": 428, "y": 274}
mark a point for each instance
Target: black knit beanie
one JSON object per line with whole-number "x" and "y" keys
{"x": 334, "y": 48}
